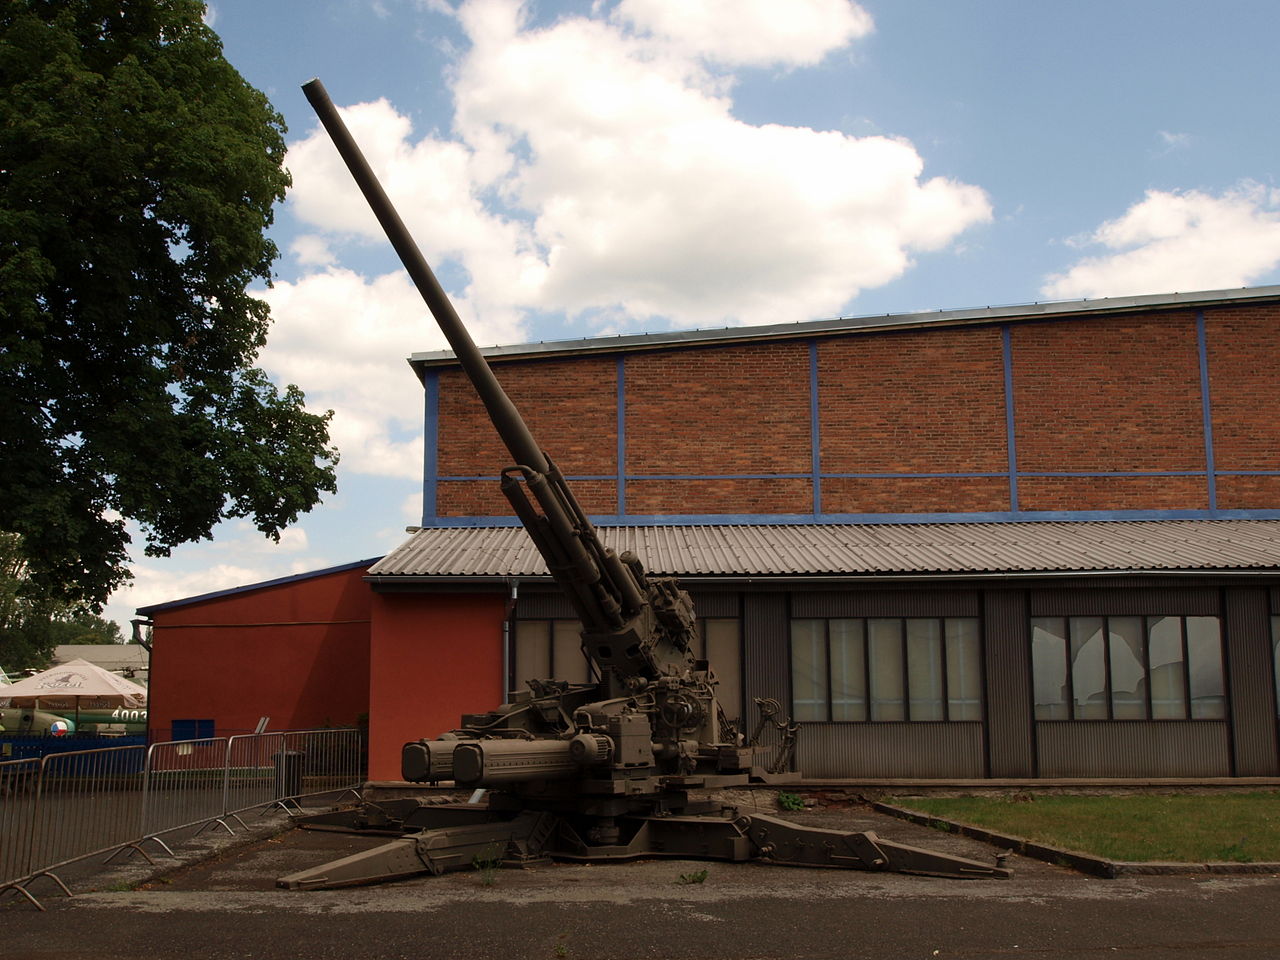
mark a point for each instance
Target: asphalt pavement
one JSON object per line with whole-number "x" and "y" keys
{"x": 227, "y": 906}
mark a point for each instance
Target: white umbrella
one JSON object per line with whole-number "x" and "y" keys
{"x": 77, "y": 680}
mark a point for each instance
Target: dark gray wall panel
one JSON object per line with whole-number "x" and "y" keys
{"x": 766, "y": 660}
{"x": 1174, "y": 600}
{"x": 715, "y": 604}
{"x": 766, "y": 668}
{"x": 1007, "y": 655}
{"x": 536, "y": 605}
{"x": 921, "y": 602}
{"x": 891, "y": 750}
{"x": 1250, "y": 680}
{"x": 542, "y": 606}
{"x": 1193, "y": 748}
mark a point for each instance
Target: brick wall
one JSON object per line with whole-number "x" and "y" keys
{"x": 1108, "y": 394}
{"x": 724, "y": 411}
{"x": 915, "y": 402}
{"x": 909, "y": 422}
{"x": 569, "y": 405}
{"x": 1242, "y": 346}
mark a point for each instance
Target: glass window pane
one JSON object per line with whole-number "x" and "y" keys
{"x": 1088, "y": 668}
{"x": 964, "y": 669}
{"x": 1204, "y": 663}
{"x": 1049, "y": 667}
{"x": 884, "y": 652}
{"x": 808, "y": 670}
{"x": 924, "y": 669}
{"x": 1168, "y": 683}
{"x": 1128, "y": 671}
{"x": 848, "y": 670}
{"x": 724, "y": 652}
{"x": 568, "y": 660}
{"x": 533, "y": 652}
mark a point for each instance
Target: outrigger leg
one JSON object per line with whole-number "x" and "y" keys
{"x": 474, "y": 838}
{"x": 510, "y": 843}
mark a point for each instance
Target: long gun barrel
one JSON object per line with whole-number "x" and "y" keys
{"x": 633, "y": 626}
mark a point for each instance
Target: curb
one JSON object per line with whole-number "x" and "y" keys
{"x": 1073, "y": 859}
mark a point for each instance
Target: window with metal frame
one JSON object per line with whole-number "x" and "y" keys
{"x": 1128, "y": 668}
{"x": 869, "y": 669}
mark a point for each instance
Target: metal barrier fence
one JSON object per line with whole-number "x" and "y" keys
{"x": 19, "y": 787}
{"x": 69, "y": 806}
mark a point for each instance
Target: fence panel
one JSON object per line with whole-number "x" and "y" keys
{"x": 69, "y": 806}
{"x": 185, "y": 785}
{"x": 254, "y": 764}
{"x": 88, "y": 803}
{"x": 321, "y": 761}
{"x": 19, "y": 788}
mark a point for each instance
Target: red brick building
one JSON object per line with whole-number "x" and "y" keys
{"x": 1011, "y": 542}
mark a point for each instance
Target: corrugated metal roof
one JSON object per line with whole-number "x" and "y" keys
{"x": 802, "y": 550}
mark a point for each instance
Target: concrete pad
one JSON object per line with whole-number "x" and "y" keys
{"x": 228, "y": 907}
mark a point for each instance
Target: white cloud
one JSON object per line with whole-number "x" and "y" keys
{"x": 344, "y": 338}
{"x": 433, "y": 184}
{"x": 1170, "y": 142}
{"x": 250, "y": 558}
{"x": 292, "y": 540}
{"x": 602, "y": 173}
{"x": 751, "y": 32}
{"x": 311, "y": 250}
{"x": 1170, "y": 242}
{"x": 599, "y": 172}
{"x": 648, "y": 196}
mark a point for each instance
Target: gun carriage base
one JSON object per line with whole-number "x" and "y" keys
{"x": 442, "y": 837}
{"x": 610, "y": 794}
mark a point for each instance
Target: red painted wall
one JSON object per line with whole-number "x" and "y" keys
{"x": 297, "y": 652}
{"x": 433, "y": 657}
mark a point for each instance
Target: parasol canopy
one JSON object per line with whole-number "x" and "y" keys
{"x": 73, "y": 684}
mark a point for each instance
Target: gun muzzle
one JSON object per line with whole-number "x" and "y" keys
{"x": 427, "y": 761}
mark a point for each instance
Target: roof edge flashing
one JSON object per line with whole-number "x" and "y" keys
{"x": 624, "y": 343}
{"x": 154, "y": 608}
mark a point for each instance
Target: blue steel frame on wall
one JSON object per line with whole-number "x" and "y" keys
{"x": 431, "y": 413}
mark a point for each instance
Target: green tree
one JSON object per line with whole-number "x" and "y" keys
{"x": 81, "y": 626}
{"x": 32, "y": 623}
{"x": 138, "y": 171}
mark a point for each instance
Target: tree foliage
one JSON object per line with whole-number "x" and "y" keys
{"x": 32, "y": 624}
{"x": 138, "y": 171}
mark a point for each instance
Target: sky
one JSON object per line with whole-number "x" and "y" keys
{"x": 575, "y": 169}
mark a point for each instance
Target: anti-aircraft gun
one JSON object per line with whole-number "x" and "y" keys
{"x": 585, "y": 771}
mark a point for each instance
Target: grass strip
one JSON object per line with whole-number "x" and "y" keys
{"x": 1236, "y": 827}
